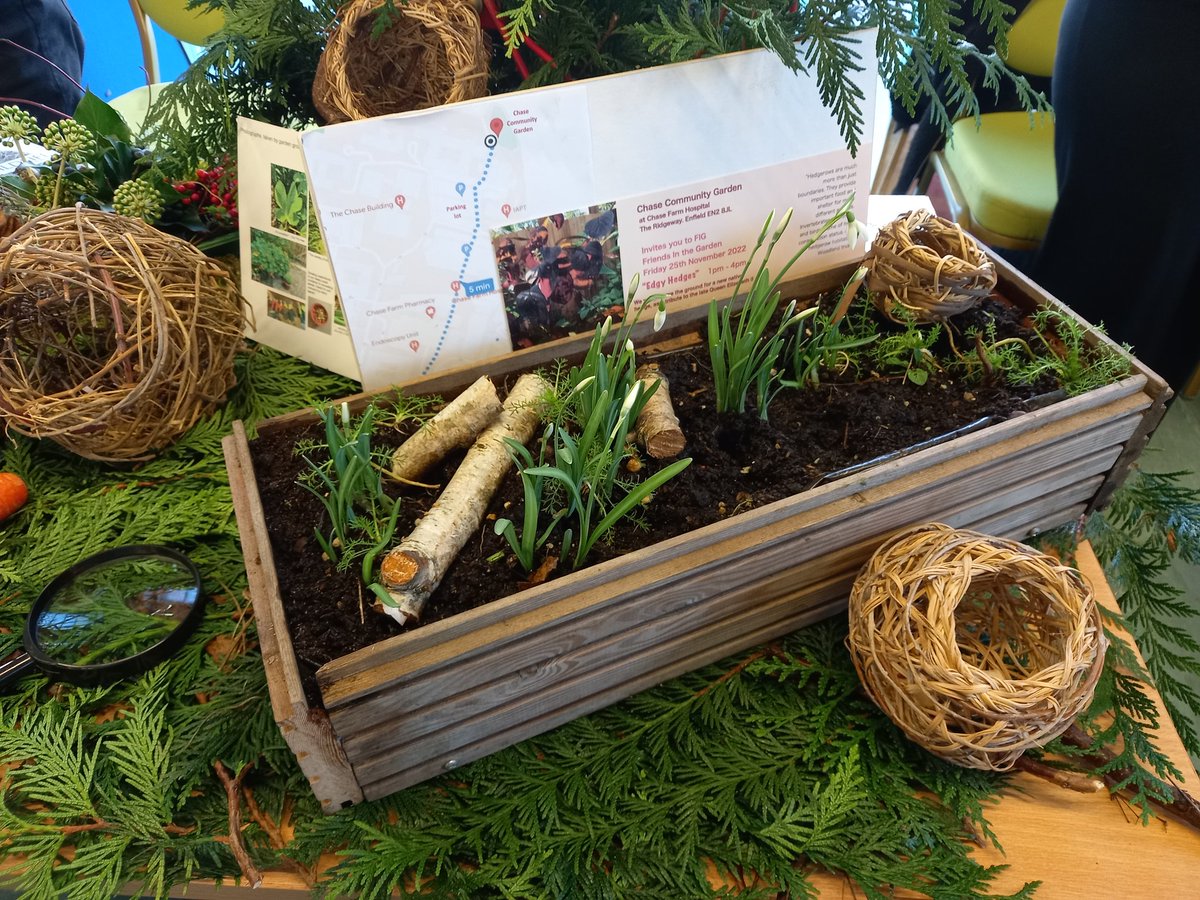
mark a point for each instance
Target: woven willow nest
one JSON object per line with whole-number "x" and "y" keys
{"x": 929, "y": 267}
{"x": 116, "y": 337}
{"x": 979, "y": 648}
{"x": 435, "y": 53}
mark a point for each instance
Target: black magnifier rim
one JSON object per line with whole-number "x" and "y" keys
{"x": 130, "y": 665}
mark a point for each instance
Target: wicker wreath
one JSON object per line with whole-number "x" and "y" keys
{"x": 116, "y": 337}
{"x": 433, "y": 54}
{"x": 929, "y": 267}
{"x": 979, "y": 648}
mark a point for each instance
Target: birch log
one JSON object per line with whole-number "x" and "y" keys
{"x": 413, "y": 569}
{"x": 657, "y": 425}
{"x": 455, "y": 426}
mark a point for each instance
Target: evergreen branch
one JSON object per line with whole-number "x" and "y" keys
{"x": 520, "y": 20}
{"x": 692, "y": 32}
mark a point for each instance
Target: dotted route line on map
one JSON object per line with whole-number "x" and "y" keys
{"x": 466, "y": 250}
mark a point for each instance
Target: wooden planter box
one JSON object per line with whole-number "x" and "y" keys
{"x": 410, "y": 707}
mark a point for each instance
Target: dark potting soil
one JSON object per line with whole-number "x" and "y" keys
{"x": 740, "y": 462}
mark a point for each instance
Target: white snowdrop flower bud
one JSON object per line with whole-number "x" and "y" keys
{"x": 855, "y": 231}
{"x": 660, "y": 315}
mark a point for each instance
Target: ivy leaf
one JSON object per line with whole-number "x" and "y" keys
{"x": 100, "y": 118}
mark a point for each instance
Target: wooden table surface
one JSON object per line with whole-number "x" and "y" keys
{"x": 1086, "y": 846}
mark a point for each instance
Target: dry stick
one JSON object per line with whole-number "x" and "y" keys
{"x": 233, "y": 793}
{"x": 455, "y": 426}
{"x": 413, "y": 569}
{"x": 1183, "y": 805}
{"x": 657, "y": 425}
{"x": 1064, "y": 778}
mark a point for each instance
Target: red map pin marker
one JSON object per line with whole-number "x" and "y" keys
{"x": 400, "y": 200}
{"x": 414, "y": 345}
{"x": 430, "y": 311}
{"x": 506, "y": 209}
{"x": 456, "y": 286}
{"x": 496, "y": 125}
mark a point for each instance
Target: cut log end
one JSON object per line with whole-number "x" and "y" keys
{"x": 658, "y": 428}
{"x": 398, "y": 569}
{"x": 666, "y": 444}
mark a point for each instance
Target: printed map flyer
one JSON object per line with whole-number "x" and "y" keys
{"x": 465, "y": 231}
{"x": 286, "y": 275}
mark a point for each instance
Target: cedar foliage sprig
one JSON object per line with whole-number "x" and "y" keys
{"x": 919, "y": 47}
{"x": 123, "y": 775}
{"x": 1153, "y": 520}
{"x": 774, "y": 763}
{"x": 259, "y": 65}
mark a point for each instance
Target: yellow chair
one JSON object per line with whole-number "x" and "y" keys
{"x": 999, "y": 178}
{"x": 192, "y": 26}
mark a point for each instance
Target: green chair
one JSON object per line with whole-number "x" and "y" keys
{"x": 999, "y": 178}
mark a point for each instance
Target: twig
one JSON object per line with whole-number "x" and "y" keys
{"x": 1183, "y": 805}
{"x": 742, "y": 665}
{"x": 48, "y": 62}
{"x": 102, "y": 825}
{"x": 233, "y": 788}
{"x": 1064, "y": 778}
{"x": 51, "y": 109}
{"x": 114, "y": 301}
{"x": 275, "y": 834}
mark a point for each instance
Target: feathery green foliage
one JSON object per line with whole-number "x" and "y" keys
{"x": 1077, "y": 365}
{"x": 907, "y": 351}
{"x": 1151, "y": 521}
{"x": 124, "y": 774}
{"x": 920, "y": 47}
{"x": 770, "y": 765}
{"x": 260, "y": 65}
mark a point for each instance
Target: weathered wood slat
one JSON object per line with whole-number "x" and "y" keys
{"x": 1062, "y": 444}
{"x": 821, "y": 608}
{"x": 490, "y": 742}
{"x": 723, "y": 616}
{"x": 556, "y": 655}
{"x": 307, "y": 731}
{"x": 798, "y": 561}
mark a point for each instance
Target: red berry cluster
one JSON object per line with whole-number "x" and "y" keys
{"x": 213, "y": 190}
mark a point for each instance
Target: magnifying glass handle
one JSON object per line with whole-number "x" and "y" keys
{"x": 14, "y": 667}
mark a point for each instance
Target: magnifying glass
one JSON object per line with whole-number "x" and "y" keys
{"x": 115, "y": 614}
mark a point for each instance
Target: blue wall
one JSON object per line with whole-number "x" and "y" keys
{"x": 112, "y": 58}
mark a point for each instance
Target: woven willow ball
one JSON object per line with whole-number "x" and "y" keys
{"x": 434, "y": 53}
{"x": 116, "y": 337}
{"x": 979, "y": 648}
{"x": 927, "y": 266}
